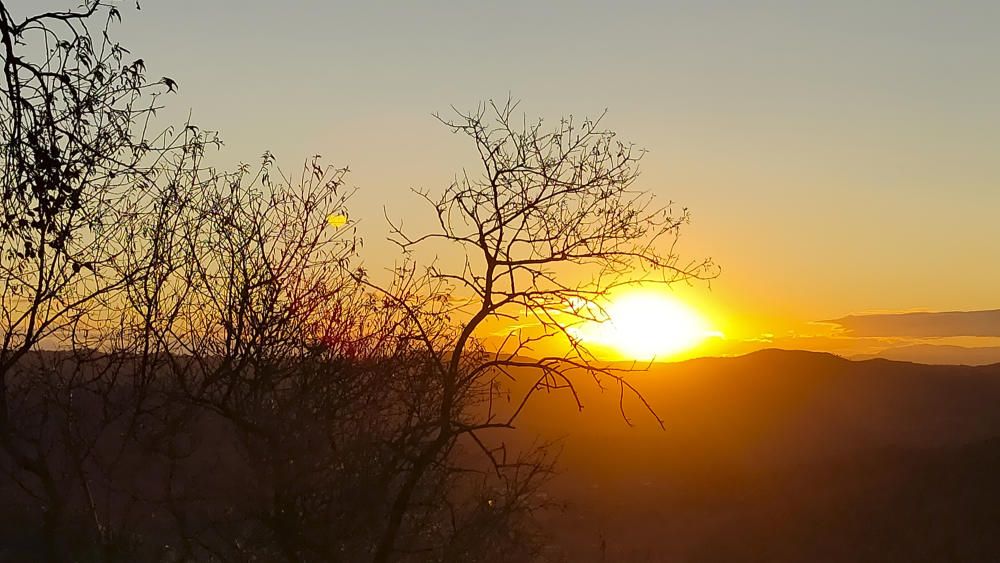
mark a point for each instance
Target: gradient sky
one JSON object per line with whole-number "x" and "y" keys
{"x": 838, "y": 157}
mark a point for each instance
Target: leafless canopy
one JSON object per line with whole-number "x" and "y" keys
{"x": 549, "y": 222}
{"x": 193, "y": 365}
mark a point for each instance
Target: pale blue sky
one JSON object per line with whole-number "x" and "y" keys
{"x": 838, "y": 156}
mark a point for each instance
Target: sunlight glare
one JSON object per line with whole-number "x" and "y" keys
{"x": 645, "y": 324}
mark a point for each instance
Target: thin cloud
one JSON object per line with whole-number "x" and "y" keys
{"x": 922, "y": 325}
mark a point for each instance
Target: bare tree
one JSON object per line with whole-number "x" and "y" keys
{"x": 82, "y": 166}
{"x": 188, "y": 359}
{"x": 317, "y": 390}
{"x": 548, "y": 223}
{"x": 194, "y": 366}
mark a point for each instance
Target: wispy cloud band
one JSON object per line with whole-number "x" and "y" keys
{"x": 922, "y": 325}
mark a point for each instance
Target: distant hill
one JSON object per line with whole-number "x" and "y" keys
{"x": 783, "y": 456}
{"x": 777, "y": 407}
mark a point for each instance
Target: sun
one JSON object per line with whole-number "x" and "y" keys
{"x": 646, "y": 324}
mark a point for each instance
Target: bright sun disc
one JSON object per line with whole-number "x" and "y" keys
{"x": 647, "y": 324}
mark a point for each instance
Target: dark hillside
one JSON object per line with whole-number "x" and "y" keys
{"x": 784, "y": 456}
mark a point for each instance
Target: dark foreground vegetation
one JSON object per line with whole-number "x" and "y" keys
{"x": 775, "y": 456}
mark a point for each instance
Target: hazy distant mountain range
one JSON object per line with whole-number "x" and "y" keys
{"x": 939, "y": 354}
{"x": 917, "y": 326}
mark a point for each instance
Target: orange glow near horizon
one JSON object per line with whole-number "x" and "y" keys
{"x": 647, "y": 324}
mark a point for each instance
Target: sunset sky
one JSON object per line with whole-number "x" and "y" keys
{"x": 837, "y": 159}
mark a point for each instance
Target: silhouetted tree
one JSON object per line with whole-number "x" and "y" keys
{"x": 195, "y": 366}
{"x": 189, "y": 369}
{"x": 548, "y": 223}
{"x": 81, "y": 166}
{"x": 318, "y": 391}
